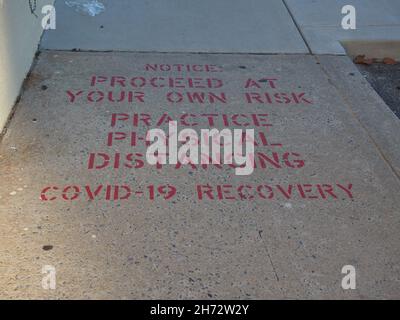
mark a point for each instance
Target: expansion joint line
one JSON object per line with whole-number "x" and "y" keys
{"x": 297, "y": 26}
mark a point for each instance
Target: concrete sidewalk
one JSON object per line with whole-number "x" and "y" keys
{"x": 327, "y": 196}
{"x": 253, "y": 26}
{"x": 256, "y": 26}
{"x": 77, "y": 195}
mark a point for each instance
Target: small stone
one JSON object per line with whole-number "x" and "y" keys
{"x": 47, "y": 247}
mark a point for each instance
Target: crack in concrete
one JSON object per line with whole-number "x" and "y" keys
{"x": 268, "y": 254}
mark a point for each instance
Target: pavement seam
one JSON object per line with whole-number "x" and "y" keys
{"x": 358, "y": 25}
{"x": 77, "y": 50}
{"x": 297, "y": 26}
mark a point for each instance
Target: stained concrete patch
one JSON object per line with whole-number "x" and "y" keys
{"x": 322, "y": 195}
{"x": 253, "y": 26}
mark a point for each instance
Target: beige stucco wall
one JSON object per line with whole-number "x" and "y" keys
{"x": 20, "y": 33}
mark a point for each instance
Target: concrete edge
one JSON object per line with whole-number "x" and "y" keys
{"x": 375, "y": 117}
